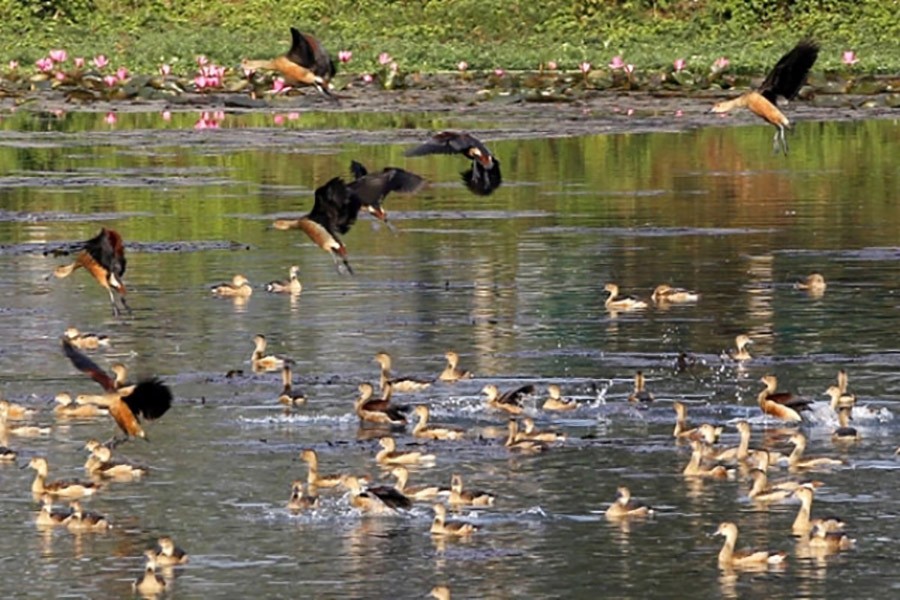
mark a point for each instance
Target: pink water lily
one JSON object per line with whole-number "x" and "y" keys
{"x": 206, "y": 121}
{"x": 200, "y": 82}
{"x": 384, "y": 58}
{"x": 60, "y": 76}
{"x": 165, "y": 70}
{"x": 721, "y": 63}
{"x": 202, "y": 61}
{"x": 100, "y": 61}
{"x": 293, "y": 116}
{"x": 278, "y": 119}
{"x": 552, "y": 65}
{"x": 849, "y": 58}
{"x": 462, "y": 66}
{"x": 110, "y": 118}
{"x": 585, "y": 67}
{"x": 13, "y": 65}
{"x": 345, "y": 55}
{"x": 122, "y": 73}
{"x": 679, "y": 64}
{"x": 79, "y": 62}
{"x": 367, "y": 78}
{"x": 679, "y": 113}
{"x": 616, "y": 63}
{"x": 58, "y": 55}
{"x": 166, "y": 115}
{"x": 111, "y": 80}
{"x": 44, "y": 65}
{"x": 629, "y": 68}
{"x": 279, "y": 86}
{"x": 219, "y": 115}
{"x": 498, "y": 72}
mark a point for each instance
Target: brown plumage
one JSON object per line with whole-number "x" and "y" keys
{"x": 509, "y": 401}
{"x": 373, "y": 188}
{"x": 781, "y": 405}
{"x": 640, "y": 394}
{"x": 103, "y": 256}
{"x": 484, "y": 175}
{"x": 306, "y": 62}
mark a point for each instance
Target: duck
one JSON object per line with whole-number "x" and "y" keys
{"x": 694, "y": 468}
{"x": 151, "y": 583}
{"x": 460, "y": 497}
{"x": 66, "y": 488}
{"x": 483, "y": 176}
{"x": 375, "y": 500}
{"x": 167, "y": 554}
{"x": 289, "y": 396}
{"x": 624, "y": 506}
{"x": 300, "y": 499}
{"x": 796, "y": 460}
{"x": 104, "y": 466}
{"x": 729, "y": 558}
{"x": 839, "y": 398}
{"x": 440, "y": 592}
{"x": 7, "y": 454}
{"x": 814, "y": 283}
{"x": 441, "y": 526}
{"x": 829, "y": 541}
{"x": 762, "y": 492}
{"x": 239, "y": 287}
{"x": 452, "y": 372}
{"x": 66, "y": 408}
{"x": 86, "y": 341}
{"x": 615, "y": 303}
{"x": 86, "y": 521}
{"x": 398, "y": 384}
{"x": 681, "y": 427}
{"x": 666, "y": 294}
{"x": 555, "y": 401}
{"x": 781, "y": 405}
{"x": 509, "y": 401}
{"x": 291, "y": 286}
{"x": 373, "y": 188}
{"x": 265, "y": 362}
{"x": 739, "y": 453}
{"x": 313, "y": 478}
{"x": 15, "y": 412}
{"x": 740, "y": 352}
{"x": 422, "y": 430}
{"x": 103, "y": 256}
{"x": 530, "y": 432}
{"x": 803, "y": 524}
{"x": 373, "y": 411}
{"x": 844, "y": 432}
{"x": 513, "y": 442}
{"x": 19, "y": 430}
{"x": 307, "y": 62}
{"x": 120, "y": 387}
{"x": 426, "y": 493}
{"x": 49, "y": 516}
{"x": 764, "y": 457}
{"x": 388, "y": 455}
{"x": 640, "y": 394}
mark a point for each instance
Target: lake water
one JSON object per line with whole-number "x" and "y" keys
{"x": 514, "y": 283}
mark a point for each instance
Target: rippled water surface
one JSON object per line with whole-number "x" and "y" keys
{"x": 514, "y": 283}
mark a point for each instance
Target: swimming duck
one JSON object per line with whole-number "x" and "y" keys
{"x": 845, "y": 433}
{"x": 452, "y": 372}
{"x": 388, "y": 455}
{"x": 289, "y": 397}
{"x": 415, "y": 493}
{"x": 262, "y": 361}
{"x": 519, "y": 445}
{"x": 7, "y": 454}
{"x": 740, "y": 353}
{"x": 291, "y": 286}
{"x": 19, "y": 430}
{"x": 86, "y": 521}
{"x": 694, "y": 468}
{"x": 150, "y": 584}
{"x": 728, "y": 558}
{"x": 762, "y": 492}
{"x": 422, "y": 430}
{"x": 66, "y": 408}
{"x": 555, "y": 401}
{"x": 441, "y": 526}
{"x": 813, "y": 283}
{"x": 624, "y": 506}
{"x": 50, "y": 517}
{"x": 530, "y": 432}
{"x": 829, "y": 541}
{"x": 666, "y": 294}
{"x": 66, "y": 488}
{"x": 167, "y": 554}
{"x": 640, "y": 394}
{"x": 376, "y": 500}
{"x": 781, "y": 405}
{"x": 460, "y": 497}
{"x": 762, "y": 458}
{"x": 313, "y": 478}
{"x": 300, "y": 500}
{"x": 86, "y": 341}
{"x": 681, "y": 428}
{"x": 741, "y": 452}
{"x": 510, "y": 401}
{"x": 614, "y": 302}
{"x": 839, "y": 399}
{"x": 391, "y": 415}
{"x": 796, "y": 460}
{"x": 238, "y": 288}
{"x": 440, "y": 592}
{"x": 802, "y": 523}
{"x": 398, "y": 384}
{"x": 15, "y": 412}
{"x": 104, "y": 466}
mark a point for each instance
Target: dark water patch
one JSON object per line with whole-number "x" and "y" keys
{"x": 67, "y": 248}
{"x": 104, "y": 180}
{"x": 12, "y": 216}
{"x": 858, "y": 254}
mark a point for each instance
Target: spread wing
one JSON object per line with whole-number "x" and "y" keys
{"x": 306, "y": 51}
{"x": 515, "y": 396}
{"x": 481, "y": 180}
{"x": 151, "y": 399}
{"x": 86, "y": 365}
{"x": 371, "y": 189}
{"x": 108, "y": 250}
{"x": 787, "y": 77}
{"x": 335, "y": 208}
{"x": 358, "y": 170}
{"x": 449, "y": 142}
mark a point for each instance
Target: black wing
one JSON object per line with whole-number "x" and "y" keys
{"x": 108, "y": 250}
{"x": 301, "y": 51}
{"x": 151, "y": 398}
{"x": 335, "y": 207}
{"x": 515, "y": 396}
{"x": 481, "y": 180}
{"x": 371, "y": 189}
{"x": 391, "y": 497}
{"x": 86, "y": 365}
{"x": 449, "y": 142}
{"x": 786, "y": 78}
{"x": 358, "y": 170}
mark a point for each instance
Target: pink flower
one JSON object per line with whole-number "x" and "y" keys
{"x": 551, "y": 65}
{"x": 616, "y": 63}
{"x": 384, "y": 58}
{"x": 367, "y": 78}
{"x": 110, "y": 118}
{"x": 679, "y": 64}
{"x": 58, "y": 56}
{"x": 110, "y": 80}
{"x": 164, "y": 70}
{"x": 60, "y": 76}
{"x": 679, "y": 113}
{"x": 393, "y": 67}
{"x": 585, "y": 67}
{"x": 849, "y": 58}
{"x": 629, "y": 68}
{"x": 345, "y": 55}
{"x": 122, "y": 73}
{"x": 202, "y": 60}
{"x": 721, "y": 64}
{"x": 200, "y": 82}
{"x": 219, "y": 115}
{"x": 279, "y": 119}
{"x": 59, "y": 113}
{"x": 630, "y": 112}
{"x": 100, "y": 61}
{"x": 79, "y": 62}
{"x": 293, "y": 116}
{"x": 498, "y": 72}
{"x": 13, "y": 65}
{"x": 44, "y": 65}
{"x": 206, "y": 122}
{"x": 279, "y": 86}
{"x": 166, "y": 115}
{"x": 462, "y": 66}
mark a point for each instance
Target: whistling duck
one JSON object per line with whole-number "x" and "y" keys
{"x": 555, "y": 401}
{"x": 313, "y": 478}
{"x": 103, "y": 465}
{"x": 67, "y": 408}
{"x": 334, "y": 212}
{"x": 802, "y": 523}
{"x": 452, "y": 372}
{"x": 740, "y": 352}
{"x": 70, "y": 488}
{"x": 484, "y": 175}
{"x": 762, "y": 492}
{"x": 530, "y": 432}
{"x": 640, "y": 394}
{"x": 262, "y": 361}
{"x": 440, "y": 592}
{"x": 728, "y": 558}
{"x": 796, "y": 460}
{"x": 441, "y": 526}
{"x": 103, "y": 256}
{"x": 681, "y": 429}
{"x": 624, "y": 506}
{"x": 764, "y": 457}
{"x": 391, "y": 415}
{"x": 300, "y": 500}
{"x": 615, "y": 303}
{"x": 49, "y": 516}
{"x": 388, "y": 455}
{"x": 150, "y": 398}
{"x": 781, "y": 405}
{"x": 167, "y": 554}
{"x": 398, "y": 384}
{"x": 740, "y": 452}
{"x": 813, "y": 283}
{"x": 238, "y": 288}
{"x": 829, "y": 541}
{"x": 86, "y": 341}
{"x": 150, "y": 584}
{"x": 384, "y": 404}
{"x": 460, "y": 497}
{"x": 86, "y": 521}
{"x": 666, "y": 294}
{"x": 694, "y": 468}
{"x": 372, "y": 188}
{"x": 307, "y": 62}
{"x": 509, "y": 401}
{"x": 416, "y": 493}
{"x": 15, "y": 412}
{"x": 291, "y": 286}
{"x": 289, "y": 396}
{"x": 845, "y": 433}
{"x": 20, "y": 430}
{"x": 785, "y": 79}
{"x": 123, "y": 388}
{"x": 382, "y": 499}
{"x": 839, "y": 399}
{"x": 513, "y": 442}
{"x": 422, "y": 430}
{"x": 7, "y": 454}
